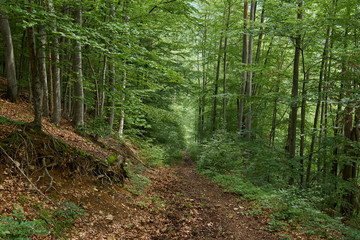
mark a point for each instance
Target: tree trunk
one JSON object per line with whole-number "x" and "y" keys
{"x": 112, "y": 80}
{"x": 36, "y": 82}
{"x": 250, "y": 74}
{"x": 216, "y": 86}
{"x": 291, "y": 142}
{"x": 9, "y": 57}
{"x": 43, "y": 72}
{"x": 77, "y": 68}
{"x": 122, "y": 112}
{"x": 317, "y": 110}
{"x": 56, "y": 94}
{"x": 244, "y": 61}
{"x": 102, "y": 89}
{"x": 224, "y": 67}
{"x": 302, "y": 124}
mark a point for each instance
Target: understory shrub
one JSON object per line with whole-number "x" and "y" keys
{"x": 260, "y": 173}
{"x": 17, "y": 227}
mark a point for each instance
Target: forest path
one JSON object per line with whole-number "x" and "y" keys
{"x": 196, "y": 208}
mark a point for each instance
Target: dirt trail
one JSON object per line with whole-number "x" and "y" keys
{"x": 197, "y": 209}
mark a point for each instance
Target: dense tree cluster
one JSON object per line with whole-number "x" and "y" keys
{"x": 289, "y": 75}
{"x": 285, "y": 72}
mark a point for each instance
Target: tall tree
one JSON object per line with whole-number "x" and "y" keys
{"x": 217, "y": 76}
{"x": 291, "y": 142}
{"x": 77, "y": 68}
{"x": 240, "y": 102}
{"x": 43, "y": 71}
{"x": 112, "y": 78}
{"x": 225, "y": 63}
{"x": 250, "y": 73}
{"x": 36, "y": 82}
{"x": 9, "y": 56}
{"x": 56, "y": 87}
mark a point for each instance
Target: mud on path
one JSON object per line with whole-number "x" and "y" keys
{"x": 195, "y": 208}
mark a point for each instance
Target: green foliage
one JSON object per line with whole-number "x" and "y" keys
{"x": 154, "y": 155}
{"x": 254, "y": 160}
{"x": 95, "y": 127}
{"x": 138, "y": 182}
{"x": 259, "y": 172}
{"x": 6, "y": 120}
{"x": 17, "y": 227}
{"x": 62, "y": 219}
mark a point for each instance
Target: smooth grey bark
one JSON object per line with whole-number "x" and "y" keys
{"x": 112, "y": 80}
{"x": 250, "y": 74}
{"x": 102, "y": 89}
{"x": 43, "y": 71}
{"x": 302, "y": 123}
{"x": 77, "y": 69}
{"x": 291, "y": 141}
{"x": 244, "y": 74}
{"x": 36, "y": 82}
{"x": 122, "y": 111}
{"x": 217, "y": 76}
{"x": 56, "y": 86}
{"x": 9, "y": 57}
{"x": 224, "y": 67}
{"x": 204, "y": 82}
{"x": 258, "y": 50}
{"x": 112, "y": 90}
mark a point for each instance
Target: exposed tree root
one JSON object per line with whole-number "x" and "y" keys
{"x": 33, "y": 150}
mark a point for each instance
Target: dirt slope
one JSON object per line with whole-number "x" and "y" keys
{"x": 177, "y": 204}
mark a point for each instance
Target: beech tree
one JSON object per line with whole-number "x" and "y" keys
{"x": 9, "y": 56}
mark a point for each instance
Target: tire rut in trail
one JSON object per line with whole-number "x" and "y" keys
{"x": 197, "y": 209}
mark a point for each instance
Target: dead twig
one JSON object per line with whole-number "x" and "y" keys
{"x": 17, "y": 165}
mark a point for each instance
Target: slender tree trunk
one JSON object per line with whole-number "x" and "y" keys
{"x": 43, "y": 72}
{"x": 112, "y": 91}
{"x": 112, "y": 80}
{"x": 317, "y": 110}
{"x": 102, "y": 95}
{"x": 291, "y": 142}
{"x": 36, "y": 82}
{"x": 77, "y": 67}
{"x": 50, "y": 81}
{"x": 216, "y": 86}
{"x": 204, "y": 82}
{"x": 224, "y": 67}
{"x": 9, "y": 57}
{"x": 244, "y": 61}
{"x": 302, "y": 125}
{"x": 250, "y": 74}
{"x": 258, "y": 50}
{"x": 122, "y": 112}
{"x": 56, "y": 93}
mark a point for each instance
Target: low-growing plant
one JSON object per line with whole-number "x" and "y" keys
{"x": 17, "y": 227}
{"x": 138, "y": 183}
{"x": 61, "y": 220}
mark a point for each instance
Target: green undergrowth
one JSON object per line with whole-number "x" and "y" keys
{"x": 7, "y": 120}
{"x": 256, "y": 172}
{"x": 57, "y": 222}
{"x": 138, "y": 181}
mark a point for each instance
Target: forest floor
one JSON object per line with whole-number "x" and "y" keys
{"x": 156, "y": 203}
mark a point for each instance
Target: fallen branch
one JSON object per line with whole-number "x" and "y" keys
{"x": 17, "y": 165}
